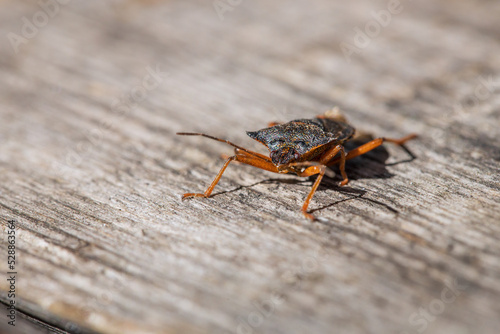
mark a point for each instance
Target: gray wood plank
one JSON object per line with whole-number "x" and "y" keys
{"x": 92, "y": 172}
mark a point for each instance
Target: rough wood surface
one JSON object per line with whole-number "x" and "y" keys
{"x": 92, "y": 172}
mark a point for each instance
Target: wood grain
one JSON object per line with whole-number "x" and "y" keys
{"x": 92, "y": 172}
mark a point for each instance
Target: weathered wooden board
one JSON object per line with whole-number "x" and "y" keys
{"x": 92, "y": 173}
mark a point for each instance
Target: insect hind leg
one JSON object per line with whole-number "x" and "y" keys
{"x": 371, "y": 145}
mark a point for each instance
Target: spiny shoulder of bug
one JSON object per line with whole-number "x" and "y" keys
{"x": 304, "y": 139}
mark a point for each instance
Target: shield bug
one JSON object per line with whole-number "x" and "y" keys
{"x": 303, "y": 147}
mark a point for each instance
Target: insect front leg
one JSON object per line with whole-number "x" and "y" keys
{"x": 214, "y": 182}
{"x": 330, "y": 154}
{"x": 313, "y": 170}
{"x": 320, "y": 168}
{"x": 247, "y": 157}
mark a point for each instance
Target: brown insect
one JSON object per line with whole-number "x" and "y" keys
{"x": 303, "y": 147}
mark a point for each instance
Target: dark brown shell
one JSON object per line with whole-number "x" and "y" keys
{"x": 302, "y": 139}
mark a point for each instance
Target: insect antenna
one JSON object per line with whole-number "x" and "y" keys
{"x": 214, "y": 138}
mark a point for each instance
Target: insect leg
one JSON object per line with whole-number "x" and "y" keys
{"x": 308, "y": 172}
{"x": 257, "y": 160}
{"x": 241, "y": 156}
{"x": 214, "y": 182}
{"x": 330, "y": 154}
{"x": 319, "y": 167}
{"x": 370, "y": 146}
{"x": 306, "y": 164}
